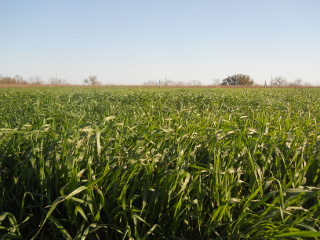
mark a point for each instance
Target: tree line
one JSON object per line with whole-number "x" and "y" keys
{"x": 233, "y": 80}
{"x": 32, "y": 80}
{"x": 91, "y": 80}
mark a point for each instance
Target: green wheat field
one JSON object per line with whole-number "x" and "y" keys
{"x": 159, "y": 163}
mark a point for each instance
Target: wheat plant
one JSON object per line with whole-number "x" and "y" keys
{"x": 130, "y": 163}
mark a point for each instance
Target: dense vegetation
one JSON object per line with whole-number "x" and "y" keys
{"x": 238, "y": 79}
{"x": 108, "y": 163}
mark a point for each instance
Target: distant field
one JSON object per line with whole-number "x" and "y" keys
{"x": 159, "y": 163}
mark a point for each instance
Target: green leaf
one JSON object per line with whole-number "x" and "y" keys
{"x": 299, "y": 234}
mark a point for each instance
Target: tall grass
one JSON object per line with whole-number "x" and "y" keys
{"x": 159, "y": 163}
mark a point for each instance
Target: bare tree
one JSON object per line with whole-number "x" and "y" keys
{"x": 56, "y": 81}
{"x": 180, "y": 83}
{"x": 151, "y": 83}
{"x": 279, "y": 82}
{"x": 216, "y": 81}
{"x": 18, "y": 79}
{"x": 35, "y": 80}
{"x": 297, "y": 82}
{"x": 194, "y": 83}
{"x": 92, "y": 80}
{"x": 167, "y": 82}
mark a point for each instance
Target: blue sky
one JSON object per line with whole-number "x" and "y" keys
{"x": 132, "y": 42}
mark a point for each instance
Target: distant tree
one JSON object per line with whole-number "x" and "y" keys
{"x": 238, "y": 79}
{"x": 194, "y": 83}
{"x": 20, "y": 80}
{"x": 216, "y": 81}
{"x": 56, "y": 81}
{"x": 36, "y": 80}
{"x": 167, "y": 82}
{"x": 92, "y": 80}
{"x": 180, "y": 83}
{"x": 279, "y": 81}
{"x": 297, "y": 82}
{"x": 307, "y": 84}
{"x": 6, "y": 80}
{"x": 151, "y": 83}
{"x": 15, "y": 80}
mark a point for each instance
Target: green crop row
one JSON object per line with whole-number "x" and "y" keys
{"x": 130, "y": 163}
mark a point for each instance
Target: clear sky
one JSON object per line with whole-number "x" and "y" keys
{"x": 131, "y": 42}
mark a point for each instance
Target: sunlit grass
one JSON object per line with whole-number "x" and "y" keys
{"x": 105, "y": 163}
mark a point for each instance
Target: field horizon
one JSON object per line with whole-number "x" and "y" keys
{"x": 29, "y": 85}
